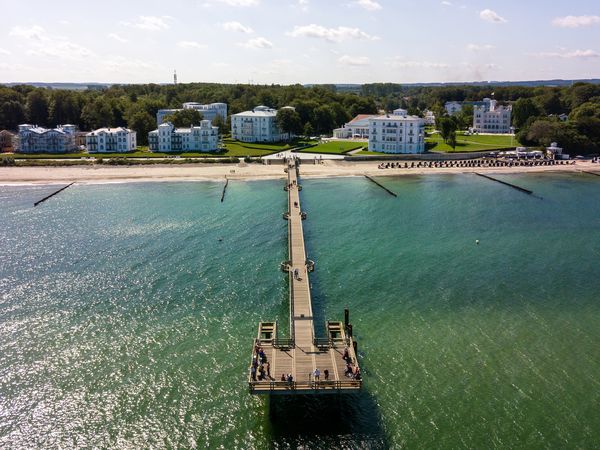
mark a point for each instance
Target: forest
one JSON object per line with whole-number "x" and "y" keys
{"x": 320, "y": 108}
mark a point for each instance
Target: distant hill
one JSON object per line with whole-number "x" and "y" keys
{"x": 67, "y": 86}
{"x": 340, "y": 87}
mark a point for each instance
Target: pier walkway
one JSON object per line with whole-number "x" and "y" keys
{"x": 297, "y": 357}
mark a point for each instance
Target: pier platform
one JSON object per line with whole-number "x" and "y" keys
{"x": 291, "y": 362}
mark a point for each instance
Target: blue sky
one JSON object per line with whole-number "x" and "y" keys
{"x": 299, "y": 41}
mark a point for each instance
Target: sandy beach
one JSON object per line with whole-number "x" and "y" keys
{"x": 242, "y": 171}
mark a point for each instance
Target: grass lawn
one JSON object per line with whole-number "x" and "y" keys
{"x": 368, "y": 153}
{"x": 335, "y": 147}
{"x": 473, "y": 143}
{"x": 232, "y": 148}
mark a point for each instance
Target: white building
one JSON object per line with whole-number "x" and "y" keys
{"x": 167, "y": 138}
{"x": 491, "y": 118}
{"x": 453, "y": 107}
{"x": 34, "y": 139}
{"x": 400, "y": 112}
{"x": 397, "y": 134}
{"x": 111, "y": 140}
{"x": 357, "y": 128}
{"x": 429, "y": 117}
{"x": 209, "y": 111}
{"x": 258, "y": 125}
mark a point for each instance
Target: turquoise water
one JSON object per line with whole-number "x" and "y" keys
{"x": 127, "y": 313}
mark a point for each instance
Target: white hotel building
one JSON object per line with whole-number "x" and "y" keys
{"x": 258, "y": 125}
{"x": 209, "y": 111}
{"x": 167, "y": 138}
{"x": 397, "y": 133}
{"x": 492, "y": 118}
{"x": 111, "y": 140}
{"x": 34, "y": 139}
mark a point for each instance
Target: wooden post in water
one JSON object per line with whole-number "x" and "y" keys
{"x": 53, "y": 194}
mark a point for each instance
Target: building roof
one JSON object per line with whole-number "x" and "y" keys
{"x": 205, "y": 124}
{"x": 109, "y": 130}
{"x": 397, "y": 118}
{"x": 259, "y": 111}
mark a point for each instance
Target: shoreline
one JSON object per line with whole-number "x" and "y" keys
{"x": 14, "y": 176}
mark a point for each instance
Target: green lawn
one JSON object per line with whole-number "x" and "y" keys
{"x": 473, "y": 143}
{"x": 335, "y": 147}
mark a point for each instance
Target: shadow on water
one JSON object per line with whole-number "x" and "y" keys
{"x": 326, "y": 421}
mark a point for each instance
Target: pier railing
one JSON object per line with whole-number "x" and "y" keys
{"x": 304, "y": 385}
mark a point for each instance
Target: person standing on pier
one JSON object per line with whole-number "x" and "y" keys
{"x": 317, "y": 374}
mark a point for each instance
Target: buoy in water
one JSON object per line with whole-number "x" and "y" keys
{"x": 477, "y": 241}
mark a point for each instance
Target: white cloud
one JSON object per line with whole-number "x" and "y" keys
{"x": 116, "y": 37}
{"x": 447, "y": 3}
{"x": 303, "y": 5}
{"x": 369, "y": 5}
{"x": 235, "y": 2}
{"x": 191, "y": 44}
{"x": 576, "y": 21}
{"x": 398, "y": 62}
{"x": 120, "y": 64}
{"x": 4, "y": 52}
{"x": 354, "y": 60}
{"x": 575, "y": 54}
{"x": 236, "y": 26}
{"x": 34, "y": 32}
{"x": 491, "y": 16}
{"x": 257, "y": 43}
{"x": 61, "y": 49}
{"x": 479, "y": 48}
{"x": 45, "y": 45}
{"x": 338, "y": 34}
{"x": 150, "y": 23}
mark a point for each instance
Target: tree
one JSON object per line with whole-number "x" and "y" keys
{"x": 308, "y": 129}
{"x": 98, "y": 114}
{"x": 221, "y": 124}
{"x": 452, "y": 140}
{"x": 288, "y": 121}
{"x": 447, "y": 127}
{"x": 12, "y": 114}
{"x": 324, "y": 119}
{"x": 523, "y": 109}
{"x": 37, "y": 108}
{"x": 465, "y": 117}
{"x": 64, "y": 108}
{"x": 184, "y": 118}
{"x": 142, "y": 123}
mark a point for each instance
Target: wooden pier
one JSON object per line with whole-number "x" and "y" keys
{"x": 298, "y": 357}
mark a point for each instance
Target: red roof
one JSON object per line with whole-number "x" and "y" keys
{"x": 361, "y": 117}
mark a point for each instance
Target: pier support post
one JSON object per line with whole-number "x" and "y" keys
{"x": 346, "y": 317}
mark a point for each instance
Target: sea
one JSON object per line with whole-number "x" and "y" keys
{"x": 127, "y": 313}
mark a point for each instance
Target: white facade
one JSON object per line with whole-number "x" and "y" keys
{"x": 258, "y": 125}
{"x": 429, "y": 117}
{"x": 357, "y": 128}
{"x": 400, "y": 112}
{"x": 167, "y": 138}
{"x": 453, "y": 107}
{"x": 492, "y": 118}
{"x": 111, "y": 140}
{"x": 209, "y": 111}
{"x": 397, "y": 134}
{"x": 34, "y": 139}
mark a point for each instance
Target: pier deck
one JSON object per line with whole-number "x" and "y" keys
{"x": 302, "y": 353}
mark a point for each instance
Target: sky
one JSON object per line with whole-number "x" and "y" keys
{"x": 298, "y": 41}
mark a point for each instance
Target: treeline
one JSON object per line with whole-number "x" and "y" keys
{"x": 320, "y": 108}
